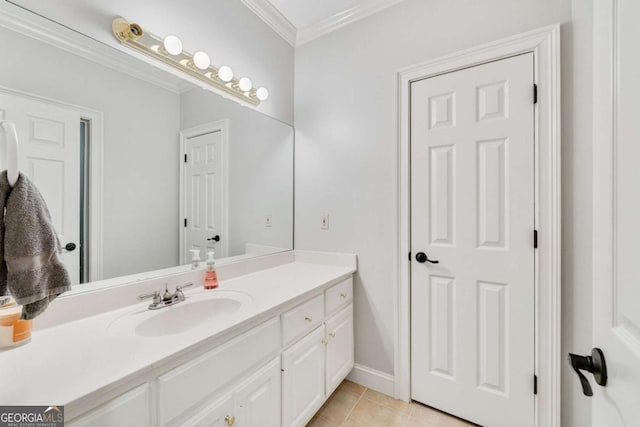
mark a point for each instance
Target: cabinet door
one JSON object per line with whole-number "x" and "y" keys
{"x": 257, "y": 401}
{"x": 340, "y": 347}
{"x": 217, "y": 414}
{"x": 130, "y": 409}
{"x": 303, "y": 379}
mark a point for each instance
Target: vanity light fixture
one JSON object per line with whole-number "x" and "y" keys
{"x": 170, "y": 51}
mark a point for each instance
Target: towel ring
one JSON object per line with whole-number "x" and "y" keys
{"x": 11, "y": 152}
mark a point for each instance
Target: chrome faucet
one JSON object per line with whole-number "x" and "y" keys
{"x": 167, "y": 298}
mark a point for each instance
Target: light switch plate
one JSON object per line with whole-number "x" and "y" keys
{"x": 268, "y": 220}
{"x": 324, "y": 221}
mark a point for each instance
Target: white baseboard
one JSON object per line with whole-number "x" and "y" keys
{"x": 373, "y": 379}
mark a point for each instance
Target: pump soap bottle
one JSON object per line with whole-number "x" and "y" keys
{"x": 211, "y": 277}
{"x": 195, "y": 258}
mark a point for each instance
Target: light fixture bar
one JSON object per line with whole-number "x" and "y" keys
{"x": 134, "y": 37}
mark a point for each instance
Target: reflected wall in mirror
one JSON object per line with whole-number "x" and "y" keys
{"x": 138, "y": 171}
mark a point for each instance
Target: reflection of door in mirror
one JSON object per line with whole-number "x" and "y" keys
{"x": 52, "y": 157}
{"x": 204, "y": 190}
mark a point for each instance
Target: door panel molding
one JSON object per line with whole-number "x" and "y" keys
{"x": 544, "y": 43}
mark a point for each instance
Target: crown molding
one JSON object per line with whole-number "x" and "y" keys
{"x": 36, "y": 27}
{"x": 274, "y": 18}
{"x": 341, "y": 19}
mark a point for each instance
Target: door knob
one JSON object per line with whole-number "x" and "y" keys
{"x": 214, "y": 238}
{"x": 70, "y": 247}
{"x": 594, "y": 364}
{"x": 421, "y": 257}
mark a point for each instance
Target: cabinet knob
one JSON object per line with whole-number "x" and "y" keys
{"x": 230, "y": 420}
{"x": 343, "y": 295}
{"x": 332, "y": 334}
{"x": 325, "y": 342}
{"x": 308, "y": 318}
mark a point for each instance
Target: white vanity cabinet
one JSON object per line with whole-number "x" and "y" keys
{"x": 278, "y": 373}
{"x": 315, "y": 365}
{"x": 200, "y": 382}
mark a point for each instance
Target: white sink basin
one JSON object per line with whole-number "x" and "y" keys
{"x": 198, "y": 310}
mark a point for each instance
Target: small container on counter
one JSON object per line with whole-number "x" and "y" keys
{"x": 13, "y": 331}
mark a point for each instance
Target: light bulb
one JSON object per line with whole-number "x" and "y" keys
{"x": 262, "y": 93}
{"x": 201, "y": 60}
{"x": 225, "y": 73}
{"x": 173, "y": 45}
{"x": 245, "y": 84}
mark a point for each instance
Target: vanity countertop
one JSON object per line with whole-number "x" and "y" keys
{"x": 64, "y": 364}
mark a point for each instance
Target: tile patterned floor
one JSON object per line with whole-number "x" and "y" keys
{"x": 353, "y": 405}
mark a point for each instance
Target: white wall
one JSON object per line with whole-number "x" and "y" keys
{"x": 345, "y": 143}
{"x": 260, "y": 169}
{"x": 227, "y": 30}
{"x": 141, "y": 123}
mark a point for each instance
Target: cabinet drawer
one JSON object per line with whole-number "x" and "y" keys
{"x": 181, "y": 390}
{"x": 302, "y": 319}
{"x": 339, "y": 295}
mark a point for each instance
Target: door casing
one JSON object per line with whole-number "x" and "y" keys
{"x": 544, "y": 43}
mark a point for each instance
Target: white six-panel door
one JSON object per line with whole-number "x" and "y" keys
{"x": 203, "y": 183}
{"x": 616, "y": 222}
{"x": 49, "y": 138}
{"x": 472, "y": 210}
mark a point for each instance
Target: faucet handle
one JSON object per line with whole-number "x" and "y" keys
{"x": 181, "y": 287}
{"x": 167, "y": 295}
{"x": 155, "y": 295}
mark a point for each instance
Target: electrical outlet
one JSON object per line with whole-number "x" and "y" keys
{"x": 324, "y": 221}
{"x": 268, "y": 220}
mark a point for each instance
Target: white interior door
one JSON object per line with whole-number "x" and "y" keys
{"x": 49, "y": 138}
{"x": 204, "y": 204}
{"x": 472, "y": 210}
{"x": 616, "y": 281}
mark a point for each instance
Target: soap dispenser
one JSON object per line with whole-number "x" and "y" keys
{"x": 195, "y": 258}
{"x": 211, "y": 277}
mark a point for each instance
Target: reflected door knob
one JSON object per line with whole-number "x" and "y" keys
{"x": 421, "y": 257}
{"x": 215, "y": 238}
{"x": 594, "y": 364}
{"x": 70, "y": 247}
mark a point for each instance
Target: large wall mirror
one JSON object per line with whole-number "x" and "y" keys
{"x": 137, "y": 171}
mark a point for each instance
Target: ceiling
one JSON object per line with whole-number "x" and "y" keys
{"x": 300, "y": 21}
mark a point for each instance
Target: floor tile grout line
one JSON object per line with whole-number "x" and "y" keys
{"x": 354, "y": 407}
